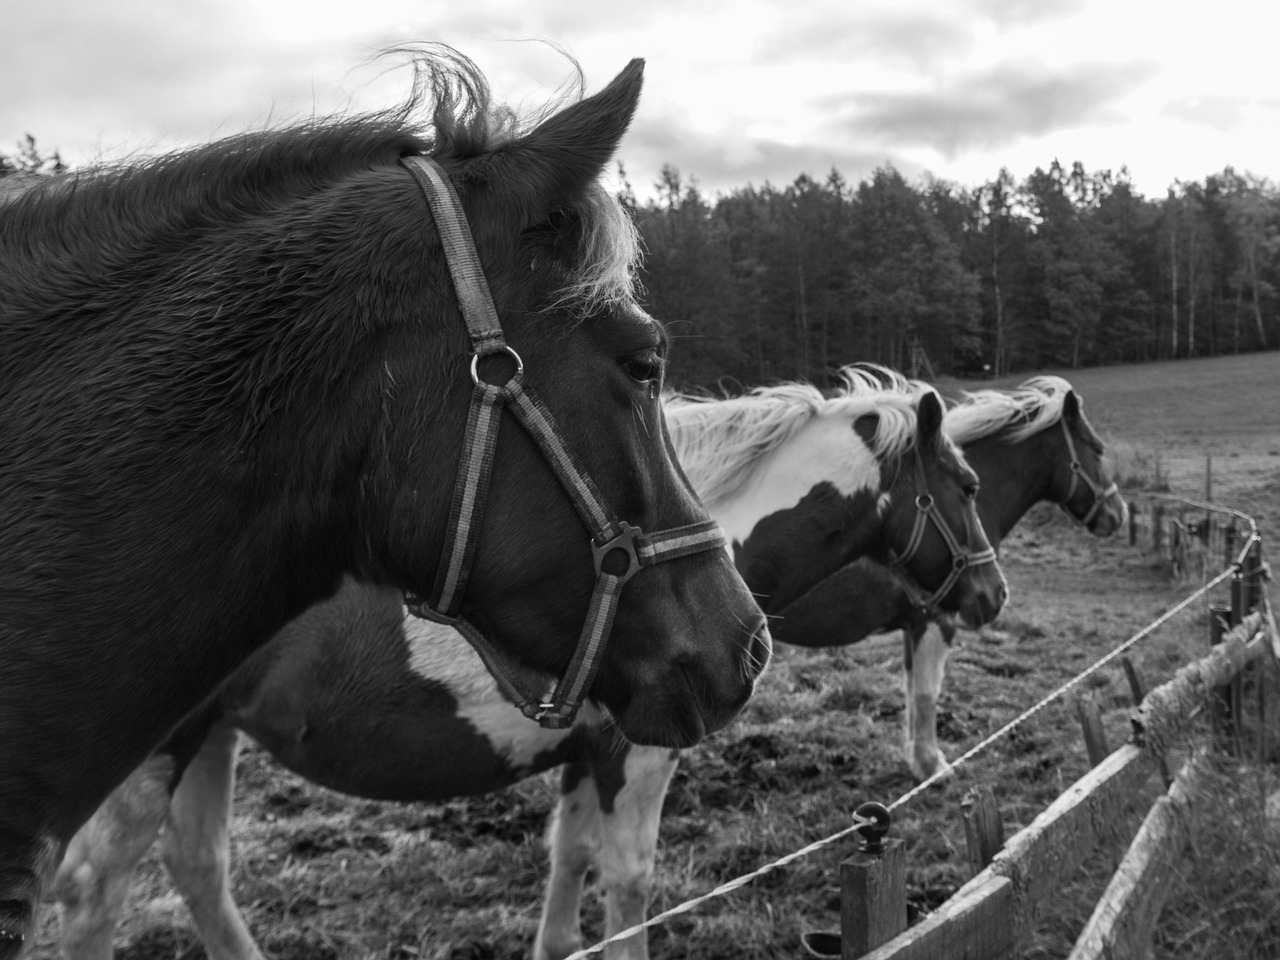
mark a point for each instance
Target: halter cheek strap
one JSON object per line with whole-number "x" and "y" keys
{"x": 1101, "y": 494}
{"x": 610, "y": 537}
{"x": 962, "y": 558}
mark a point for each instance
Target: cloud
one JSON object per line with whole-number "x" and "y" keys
{"x": 721, "y": 165}
{"x": 995, "y": 107}
{"x": 1221, "y": 113}
{"x": 920, "y": 40}
{"x": 903, "y": 40}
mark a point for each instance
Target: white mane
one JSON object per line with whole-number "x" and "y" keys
{"x": 1015, "y": 414}
{"x": 721, "y": 443}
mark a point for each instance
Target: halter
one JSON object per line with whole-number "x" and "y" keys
{"x": 962, "y": 558}
{"x": 1101, "y": 494}
{"x": 611, "y": 540}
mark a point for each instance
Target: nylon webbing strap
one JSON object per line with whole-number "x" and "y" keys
{"x": 536, "y": 418}
{"x": 469, "y": 495}
{"x": 460, "y": 251}
{"x": 680, "y": 542}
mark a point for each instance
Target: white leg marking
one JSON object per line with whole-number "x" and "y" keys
{"x": 629, "y": 847}
{"x": 923, "y": 684}
{"x": 94, "y": 877}
{"x": 573, "y": 839}
{"x": 197, "y": 847}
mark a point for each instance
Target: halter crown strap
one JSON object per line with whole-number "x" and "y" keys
{"x": 469, "y": 283}
{"x": 609, "y": 536}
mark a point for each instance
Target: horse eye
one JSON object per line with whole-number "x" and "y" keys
{"x": 971, "y": 491}
{"x": 644, "y": 369}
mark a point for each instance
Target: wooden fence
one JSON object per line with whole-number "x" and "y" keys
{"x": 993, "y": 916}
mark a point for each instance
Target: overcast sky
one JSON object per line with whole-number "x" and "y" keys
{"x": 737, "y": 92}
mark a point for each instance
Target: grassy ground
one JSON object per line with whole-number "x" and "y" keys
{"x": 324, "y": 876}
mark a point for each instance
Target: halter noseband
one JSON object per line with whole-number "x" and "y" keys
{"x": 962, "y": 558}
{"x": 609, "y": 537}
{"x": 1101, "y": 494}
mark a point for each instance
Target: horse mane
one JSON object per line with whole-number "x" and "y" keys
{"x": 68, "y": 239}
{"x": 1012, "y": 415}
{"x": 722, "y": 442}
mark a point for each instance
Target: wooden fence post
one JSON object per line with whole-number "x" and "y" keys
{"x": 1095, "y": 737}
{"x": 1221, "y": 707}
{"x": 983, "y": 828}
{"x": 1139, "y": 691}
{"x": 1157, "y": 529}
{"x": 873, "y": 888}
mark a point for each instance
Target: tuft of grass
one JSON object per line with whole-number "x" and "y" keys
{"x": 1226, "y": 892}
{"x": 1137, "y": 466}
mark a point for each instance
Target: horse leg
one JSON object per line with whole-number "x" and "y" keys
{"x": 572, "y": 839}
{"x": 629, "y": 846}
{"x": 196, "y": 847}
{"x": 925, "y": 650}
{"x": 93, "y": 880}
{"x": 26, "y": 861}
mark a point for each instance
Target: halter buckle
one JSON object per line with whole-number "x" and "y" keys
{"x": 624, "y": 541}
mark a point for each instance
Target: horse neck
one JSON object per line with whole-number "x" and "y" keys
{"x": 1013, "y": 477}
{"x": 827, "y": 451}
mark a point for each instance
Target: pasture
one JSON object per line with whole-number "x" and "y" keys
{"x": 319, "y": 875}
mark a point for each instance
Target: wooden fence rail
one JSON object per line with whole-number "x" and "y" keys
{"x": 994, "y": 914}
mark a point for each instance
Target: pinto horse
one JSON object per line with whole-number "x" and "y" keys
{"x": 360, "y": 698}
{"x": 233, "y": 376}
{"x": 1028, "y": 445}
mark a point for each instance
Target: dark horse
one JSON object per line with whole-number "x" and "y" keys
{"x": 232, "y": 376}
{"x": 358, "y": 696}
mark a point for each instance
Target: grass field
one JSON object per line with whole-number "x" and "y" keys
{"x": 324, "y": 876}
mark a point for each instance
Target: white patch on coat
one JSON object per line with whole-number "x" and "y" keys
{"x": 826, "y": 450}
{"x": 439, "y": 653}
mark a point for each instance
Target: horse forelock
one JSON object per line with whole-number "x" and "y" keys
{"x": 609, "y": 256}
{"x": 722, "y": 443}
{"x": 1014, "y": 415}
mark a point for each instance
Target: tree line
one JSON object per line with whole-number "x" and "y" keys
{"x": 1066, "y": 268}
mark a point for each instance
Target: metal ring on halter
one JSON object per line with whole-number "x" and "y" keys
{"x": 509, "y": 351}
{"x": 924, "y": 501}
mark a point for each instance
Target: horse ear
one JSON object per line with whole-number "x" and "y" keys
{"x": 1071, "y": 407}
{"x": 559, "y": 159}
{"x": 929, "y": 418}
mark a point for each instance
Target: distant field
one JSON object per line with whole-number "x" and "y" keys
{"x": 324, "y": 876}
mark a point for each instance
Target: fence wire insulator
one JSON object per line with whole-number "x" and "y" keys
{"x": 876, "y": 821}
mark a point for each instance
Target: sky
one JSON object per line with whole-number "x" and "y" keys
{"x": 737, "y": 92}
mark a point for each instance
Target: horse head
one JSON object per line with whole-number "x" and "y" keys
{"x": 932, "y": 534}
{"x": 1086, "y": 489}
{"x": 582, "y": 488}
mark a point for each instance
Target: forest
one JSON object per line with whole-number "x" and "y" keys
{"x": 1064, "y": 269}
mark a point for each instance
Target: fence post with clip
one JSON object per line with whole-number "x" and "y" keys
{"x": 873, "y": 886}
{"x": 873, "y": 892}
